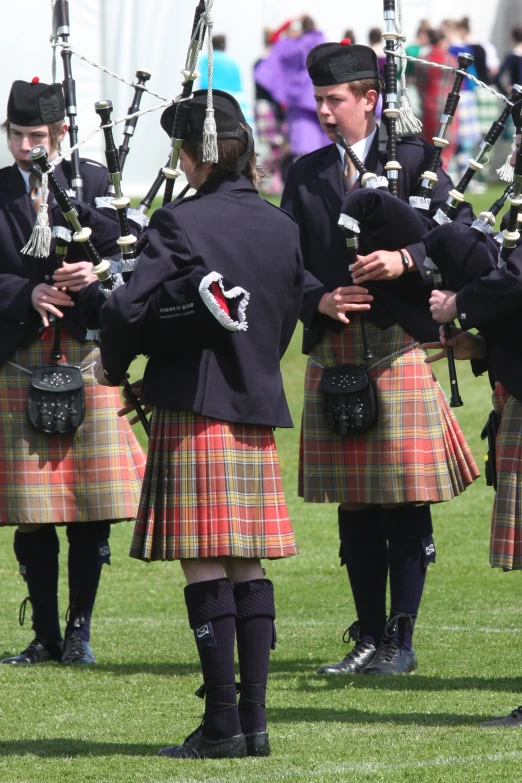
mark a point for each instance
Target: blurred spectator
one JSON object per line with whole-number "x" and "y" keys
{"x": 434, "y": 85}
{"x": 375, "y": 41}
{"x": 487, "y": 103}
{"x": 510, "y": 72}
{"x": 349, "y": 35}
{"x": 420, "y": 45}
{"x": 271, "y": 145}
{"x": 283, "y": 74}
{"x": 418, "y": 48}
{"x": 468, "y": 135}
{"x": 227, "y": 75}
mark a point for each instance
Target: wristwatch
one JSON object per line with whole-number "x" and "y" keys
{"x": 405, "y": 260}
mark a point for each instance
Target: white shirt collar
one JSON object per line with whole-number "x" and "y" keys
{"x": 361, "y": 148}
{"x": 25, "y": 175}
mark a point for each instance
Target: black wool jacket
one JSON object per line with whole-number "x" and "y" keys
{"x": 227, "y": 228}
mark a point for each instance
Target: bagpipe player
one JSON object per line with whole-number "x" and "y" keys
{"x": 489, "y": 308}
{"x": 85, "y": 478}
{"x": 213, "y": 302}
{"x": 385, "y": 479}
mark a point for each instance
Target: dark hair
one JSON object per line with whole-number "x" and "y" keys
{"x": 54, "y": 131}
{"x": 219, "y": 42}
{"x": 307, "y": 23}
{"x": 350, "y": 34}
{"x": 229, "y": 152}
{"x": 435, "y": 36}
{"x": 375, "y": 35}
{"x": 516, "y": 33}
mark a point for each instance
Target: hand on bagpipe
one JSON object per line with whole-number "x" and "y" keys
{"x": 465, "y": 346}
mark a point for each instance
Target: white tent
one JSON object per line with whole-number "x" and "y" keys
{"x": 126, "y": 34}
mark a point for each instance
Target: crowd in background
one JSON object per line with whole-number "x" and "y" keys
{"x": 284, "y": 114}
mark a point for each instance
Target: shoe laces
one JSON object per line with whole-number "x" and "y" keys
{"x": 73, "y": 645}
{"x": 386, "y": 651}
{"x": 196, "y": 731}
{"x": 397, "y": 619}
{"x": 360, "y": 647}
{"x": 23, "y": 609}
{"x": 34, "y": 646}
{"x": 352, "y": 633}
{"x": 218, "y": 706}
{"x": 245, "y": 703}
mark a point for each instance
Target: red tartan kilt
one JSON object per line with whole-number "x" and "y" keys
{"x": 91, "y": 474}
{"x": 211, "y": 489}
{"x": 506, "y": 524}
{"x": 415, "y": 453}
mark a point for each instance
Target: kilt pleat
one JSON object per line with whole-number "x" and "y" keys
{"x": 211, "y": 489}
{"x": 506, "y": 524}
{"x": 91, "y": 474}
{"x": 469, "y": 126}
{"x": 415, "y": 453}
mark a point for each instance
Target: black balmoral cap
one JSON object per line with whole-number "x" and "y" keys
{"x": 227, "y": 113}
{"x": 337, "y": 63}
{"x": 35, "y": 103}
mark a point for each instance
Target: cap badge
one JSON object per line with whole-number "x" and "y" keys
{"x": 49, "y": 108}
{"x": 343, "y": 68}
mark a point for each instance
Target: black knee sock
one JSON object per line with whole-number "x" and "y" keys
{"x": 37, "y": 554}
{"x": 212, "y": 616}
{"x": 255, "y": 638}
{"x": 408, "y": 527}
{"x": 364, "y": 552}
{"x": 88, "y": 551}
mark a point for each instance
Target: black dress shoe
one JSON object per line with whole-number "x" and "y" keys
{"x": 391, "y": 659}
{"x": 257, "y": 743}
{"x": 76, "y": 650}
{"x": 37, "y": 652}
{"x": 353, "y": 663}
{"x": 196, "y": 746}
{"x": 513, "y": 719}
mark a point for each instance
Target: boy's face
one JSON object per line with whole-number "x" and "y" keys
{"x": 23, "y": 138}
{"x": 338, "y": 107}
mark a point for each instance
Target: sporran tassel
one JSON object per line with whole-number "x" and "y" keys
{"x": 39, "y": 244}
{"x": 505, "y": 172}
{"x": 93, "y": 334}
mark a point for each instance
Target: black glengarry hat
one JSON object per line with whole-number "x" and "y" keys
{"x": 35, "y": 103}
{"x": 227, "y": 113}
{"x": 338, "y": 63}
{"x": 230, "y": 121}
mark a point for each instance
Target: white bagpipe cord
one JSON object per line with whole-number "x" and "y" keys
{"x": 210, "y": 148}
{"x": 506, "y": 172}
{"x": 40, "y": 239}
{"x": 407, "y": 123}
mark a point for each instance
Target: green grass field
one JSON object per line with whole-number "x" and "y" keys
{"x": 106, "y": 722}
